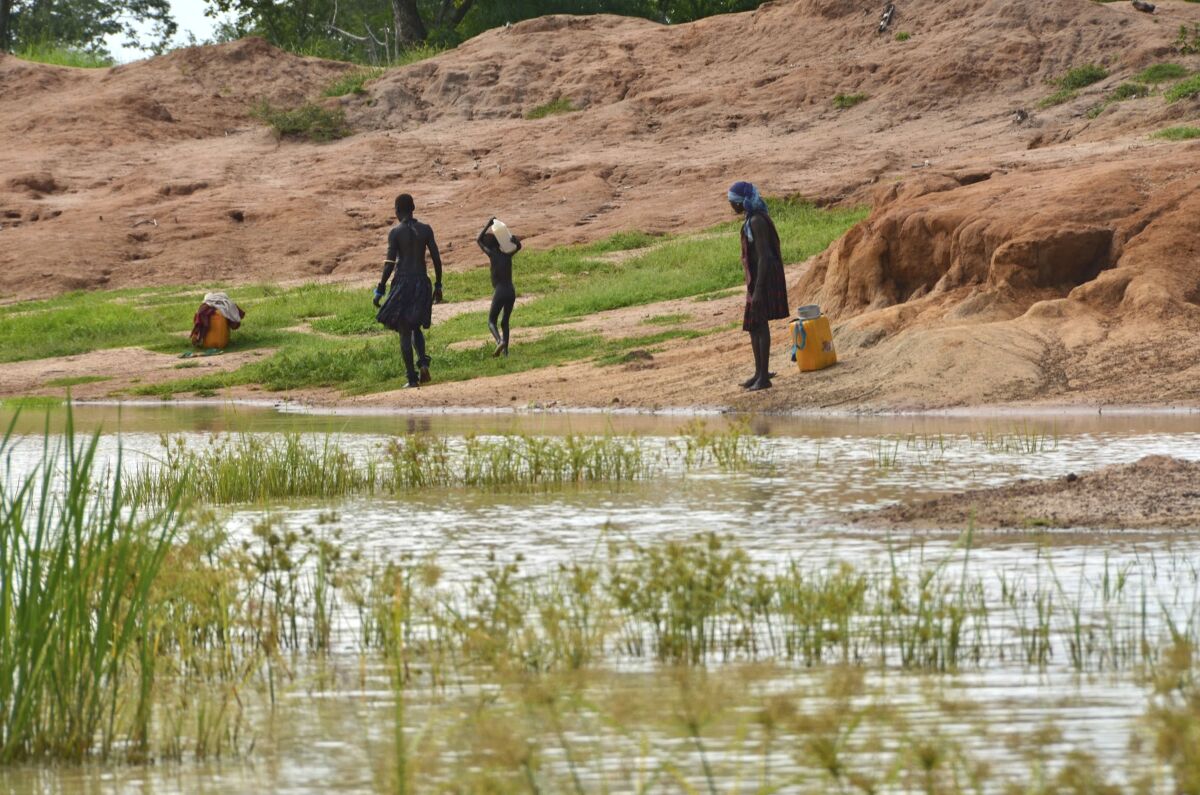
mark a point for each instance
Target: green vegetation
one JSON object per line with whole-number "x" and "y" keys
{"x": 845, "y": 101}
{"x": 1188, "y": 42}
{"x": 672, "y": 319}
{"x": 1129, "y": 91}
{"x": 353, "y": 353}
{"x": 59, "y": 55}
{"x": 76, "y": 611}
{"x": 78, "y": 379}
{"x": 1082, "y": 76}
{"x": 353, "y": 82}
{"x": 903, "y": 36}
{"x": 1161, "y": 73}
{"x": 1185, "y": 89}
{"x": 554, "y": 107}
{"x": 1180, "y": 133}
{"x": 1058, "y": 98}
{"x": 308, "y": 121}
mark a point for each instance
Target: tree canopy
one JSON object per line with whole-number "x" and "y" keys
{"x": 84, "y": 24}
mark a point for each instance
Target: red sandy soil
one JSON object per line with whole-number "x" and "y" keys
{"x": 1157, "y": 492}
{"x": 1040, "y": 256}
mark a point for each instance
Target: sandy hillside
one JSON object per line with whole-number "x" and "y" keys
{"x": 1031, "y": 256}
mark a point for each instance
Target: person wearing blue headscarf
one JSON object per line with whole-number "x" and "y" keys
{"x": 766, "y": 286}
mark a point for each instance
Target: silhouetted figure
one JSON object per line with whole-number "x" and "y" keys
{"x": 409, "y": 304}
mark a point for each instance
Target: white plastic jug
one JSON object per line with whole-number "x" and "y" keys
{"x": 503, "y": 236}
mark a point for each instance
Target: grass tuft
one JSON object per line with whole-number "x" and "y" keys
{"x": 1181, "y": 133}
{"x": 552, "y": 108}
{"x": 903, "y": 36}
{"x": 1186, "y": 89}
{"x": 309, "y": 121}
{"x": 846, "y": 101}
{"x": 1058, "y": 98}
{"x": 78, "y": 379}
{"x": 1160, "y": 73}
{"x": 353, "y": 82}
{"x": 1082, "y": 76}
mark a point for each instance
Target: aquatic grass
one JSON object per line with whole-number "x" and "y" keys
{"x": 76, "y": 571}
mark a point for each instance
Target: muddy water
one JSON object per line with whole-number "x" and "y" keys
{"x": 337, "y": 737}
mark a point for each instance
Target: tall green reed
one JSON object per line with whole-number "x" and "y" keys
{"x": 77, "y": 625}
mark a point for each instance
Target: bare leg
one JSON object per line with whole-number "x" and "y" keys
{"x": 422, "y": 359}
{"x": 760, "y": 338}
{"x": 406, "y": 352}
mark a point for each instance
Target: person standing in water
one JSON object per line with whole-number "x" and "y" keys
{"x": 500, "y": 247}
{"x": 766, "y": 287}
{"x": 409, "y": 304}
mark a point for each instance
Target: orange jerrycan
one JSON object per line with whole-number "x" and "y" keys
{"x": 812, "y": 340}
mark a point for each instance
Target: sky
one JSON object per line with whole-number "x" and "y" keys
{"x": 189, "y": 15}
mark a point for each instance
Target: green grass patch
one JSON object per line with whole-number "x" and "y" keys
{"x": 1160, "y": 73}
{"x": 1181, "y": 133}
{"x": 716, "y": 296}
{"x": 667, "y": 320}
{"x": 1185, "y": 89}
{"x": 552, "y": 108}
{"x": 353, "y": 353}
{"x": 30, "y": 402}
{"x": 353, "y": 82}
{"x": 846, "y": 101}
{"x": 1188, "y": 42}
{"x": 79, "y": 379}
{"x": 623, "y": 241}
{"x": 308, "y": 122}
{"x": 903, "y": 36}
{"x": 418, "y": 53}
{"x": 1082, "y": 76}
{"x": 57, "y": 55}
{"x": 1129, "y": 91}
{"x": 1058, "y": 98}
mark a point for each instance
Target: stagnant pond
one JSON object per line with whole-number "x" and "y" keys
{"x": 1015, "y": 704}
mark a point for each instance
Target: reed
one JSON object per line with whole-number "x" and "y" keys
{"x": 77, "y": 625}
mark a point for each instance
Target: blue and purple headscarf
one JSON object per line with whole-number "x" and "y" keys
{"x": 745, "y": 194}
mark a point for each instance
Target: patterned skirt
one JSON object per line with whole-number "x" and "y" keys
{"x": 409, "y": 303}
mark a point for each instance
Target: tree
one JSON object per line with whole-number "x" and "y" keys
{"x": 84, "y": 24}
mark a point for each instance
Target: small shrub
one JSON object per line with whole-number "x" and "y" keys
{"x": 352, "y": 82}
{"x": 1082, "y": 76}
{"x": 309, "y": 121}
{"x": 903, "y": 36}
{"x": 1182, "y": 133}
{"x": 1188, "y": 43}
{"x": 1160, "y": 73}
{"x": 1186, "y": 89}
{"x": 554, "y": 107}
{"x": 845, "y": 101}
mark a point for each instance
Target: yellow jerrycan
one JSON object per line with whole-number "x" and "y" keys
{"x": 812, "y": 340}
{"x": 218, "y": 333}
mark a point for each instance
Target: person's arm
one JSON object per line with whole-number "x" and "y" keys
{"x": 389, "y": 265}
{"x": 437, "y": 268}
{"x": 482, "y": 234}
{"x": 517, "y": 242}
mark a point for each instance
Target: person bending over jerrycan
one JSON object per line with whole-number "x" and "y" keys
{"x": 409, "y": 304}
{"x": 766, "y": 287}
{"x": 500, "y": 246}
